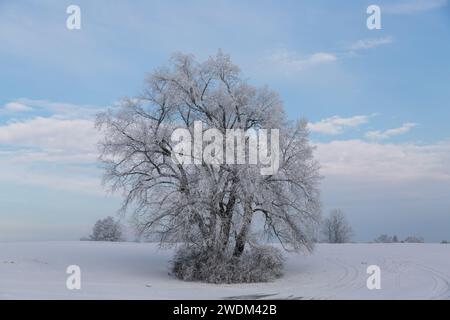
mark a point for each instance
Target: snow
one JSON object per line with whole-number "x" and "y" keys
{"x": 37, "y": 270}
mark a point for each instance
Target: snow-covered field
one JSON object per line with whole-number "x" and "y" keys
{"x": 37, "y": 270}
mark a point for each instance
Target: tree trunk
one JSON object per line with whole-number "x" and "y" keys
{"x": 225, "y": 232}
{"x": 227, "y": 218}
{"x": 241, "y": 238}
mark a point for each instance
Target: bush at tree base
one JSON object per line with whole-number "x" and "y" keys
{"x": 257, "y": 264}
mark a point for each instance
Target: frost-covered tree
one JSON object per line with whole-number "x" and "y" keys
{"x": 106, "y": 230}
{"x": 336, "y": 228}
{"x": 218, "y": 211}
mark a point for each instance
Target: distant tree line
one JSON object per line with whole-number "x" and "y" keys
{"x": 384, "y": 238}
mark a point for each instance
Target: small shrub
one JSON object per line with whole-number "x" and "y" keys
{"x": 106, "y": 230}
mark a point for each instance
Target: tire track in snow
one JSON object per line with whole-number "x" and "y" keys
{"x": 346, "y": 282}
{"x": 441, "y": 286}
{"x": 440, "y": 282}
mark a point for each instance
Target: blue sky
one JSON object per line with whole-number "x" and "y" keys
{"x": 377, "y": 100}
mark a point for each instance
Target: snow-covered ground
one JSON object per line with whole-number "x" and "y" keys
{"x": 37, "y": 270}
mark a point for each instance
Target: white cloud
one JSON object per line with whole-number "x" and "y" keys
{"x": 378, "y": 135}
{"x": 388, "y": 162}
{"x": 54, "y": 151}
{"x": 292, "y": 61}
{"x": 385, "y": 187}
{"x": 17, "y": 107}
{"x": 371, "y": 43}
{"x": 60, "y": 109}
{"x": 69, "y": 136}
{"x": 335, "y": 125}
{"x": 66, "y": 133}
{"x": 413, "y": 6}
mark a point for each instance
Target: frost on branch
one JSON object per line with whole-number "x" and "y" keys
{"x": 214, "y": 210}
